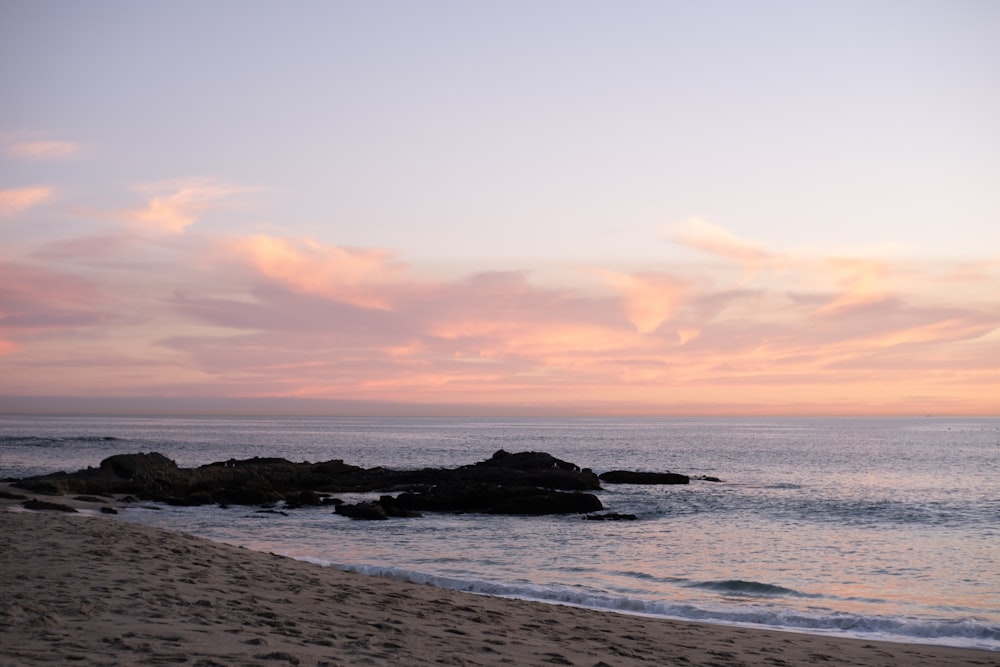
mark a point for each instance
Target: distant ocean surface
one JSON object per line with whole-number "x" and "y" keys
{"x": 877, "y": 528}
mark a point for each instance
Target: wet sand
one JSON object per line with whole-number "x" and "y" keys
{"x": 93, "y": 590}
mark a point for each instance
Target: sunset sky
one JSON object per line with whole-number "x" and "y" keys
{"x": 562, "y": 207}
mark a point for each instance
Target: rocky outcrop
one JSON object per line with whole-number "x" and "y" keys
{"x": 253, "y": 481}
{"x": 530, "y": 468}
{"x": 37, "y": 505}
{"x": 140, "y": 466}
{"x": 395, "y": 511}
{"x": 491, "y": 498}
{"x": 555, "y": 502}
{"x": 368, "y": 511}
{"x": 520, "y": 483}
{"x": 90, "y": 499}
{"x": 630, "y": 477}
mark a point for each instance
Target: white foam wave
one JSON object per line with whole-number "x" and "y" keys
{"x": 964, "y": 633}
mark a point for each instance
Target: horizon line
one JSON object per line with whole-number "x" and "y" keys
{"x": 322, "y": 407}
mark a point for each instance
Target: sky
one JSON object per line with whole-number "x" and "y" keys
{"x": 561, "y": 207}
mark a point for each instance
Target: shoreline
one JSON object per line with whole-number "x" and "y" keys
{"x": 93, "y": 590}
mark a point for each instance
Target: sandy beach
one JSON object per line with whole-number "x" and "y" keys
{"x": 87, "y": 589}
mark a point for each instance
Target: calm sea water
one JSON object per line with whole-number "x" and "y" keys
{"x": 879, "y": 528}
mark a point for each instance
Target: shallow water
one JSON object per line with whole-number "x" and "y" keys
{"x": 882, "y": 528}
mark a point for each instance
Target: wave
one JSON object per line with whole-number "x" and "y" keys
{"x": 749, "y": 589}
{"x": 869, "y": 512}
{"x": 645, "y": 576}
{"x": 969, "y": 633}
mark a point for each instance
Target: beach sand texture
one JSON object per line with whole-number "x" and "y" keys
{"x": 91, "y": 590}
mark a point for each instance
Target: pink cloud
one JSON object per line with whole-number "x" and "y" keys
{"x": 94, "y": 249}
{"x": 444, "y": 333}
{"x": 702, "y": 235}
{"x": 863, "y": 282}
{"x": 270, "y": 315}
{"x": 7, "y": 347}
{"x": 37, "y": 306}
{"x": 35, "y": 299}
{"x": 172, "y": 207}
{"x": 338, "y": 323}
{"x": 342, "y": 274}
{"x": 650, "y": 299}
{"x": 17, "y": 200}
{"x": 44, "y": 149}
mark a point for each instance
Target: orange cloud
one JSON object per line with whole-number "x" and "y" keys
{"x": 555, "y": 345}
{"x": 343, "y": 274}
{"x": 662, "y": 340}
{"x": 863, "y": 282}
{"x": 44, "y": 150}
{"x": 173, "y": 207}
{"x": 16, "y": 200}
{"x": 943, "y": 331}
{"x": 846, "y": 282}
{"x": 649, "y": 299}
{"x": 268, "y": 315}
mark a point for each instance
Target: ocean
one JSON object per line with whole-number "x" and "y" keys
{"x": 881, "y": 528}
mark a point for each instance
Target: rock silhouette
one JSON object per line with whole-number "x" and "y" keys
{"x": 630, "y": 477}
{"x": 520, "y": 483}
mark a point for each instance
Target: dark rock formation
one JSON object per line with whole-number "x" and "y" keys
{"x": 248, "y": 482}
{"x": 555, "y": 502}
{"x": 629, "y": 477}
{"x": 393, "y": 510}
{"x": 243, "y": 495}
{"x": 193, "y": 499}
{"x": 499, "y": 499}
{"x": 44, "y": 485}
{"x": 611, "y": 516}
{"x": 260, "y": 481}
{"x": 140, "y": 466}
{"x": 35, "y": 504}
{"x": 90, "y": 499}
{"x": 528, "y": 483}
{"x": 531, "y": 469}
{"x": 310, "y": 498}
{"x": 368, "y": 511}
